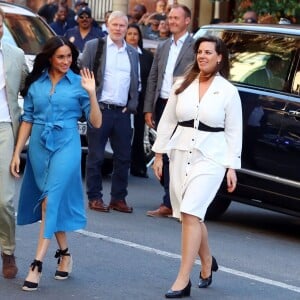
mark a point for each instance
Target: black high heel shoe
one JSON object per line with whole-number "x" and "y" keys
{"x": 29, "y": 285}
{"x": 62, "y": 275}
{"x": 186, "y": 292}
{"x": 205, "y": 282}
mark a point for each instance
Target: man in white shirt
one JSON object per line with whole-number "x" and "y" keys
{"x": 13, "y": 71}
{"x": 116, "y": 68}
{"x": 171, "y": 59}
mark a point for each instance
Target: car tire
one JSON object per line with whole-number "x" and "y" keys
{"x": 217, "y": 208}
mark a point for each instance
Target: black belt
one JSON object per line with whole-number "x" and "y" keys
{"x": 201, "y": 126}
{"x": 103, "y": 105}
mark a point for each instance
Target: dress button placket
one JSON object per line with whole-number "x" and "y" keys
{"x": 190, "y": 153}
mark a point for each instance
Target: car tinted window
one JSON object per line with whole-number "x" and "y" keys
{"x": 259, "y": 58}
{"x": 29, "y": 33}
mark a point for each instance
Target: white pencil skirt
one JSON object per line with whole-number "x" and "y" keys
{"x": 194, "y": 182}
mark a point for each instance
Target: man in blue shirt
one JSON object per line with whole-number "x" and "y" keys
{"x": 85, "y": 31}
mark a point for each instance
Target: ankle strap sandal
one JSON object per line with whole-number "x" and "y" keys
{"x": 61, "y": 275}
{"x": 29, "y": 285}
{"x": 59, "y": 253}
{"x": 38, "y": 264}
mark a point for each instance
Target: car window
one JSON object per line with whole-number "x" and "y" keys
{"x": 258, "y": 58}
{"x": 27, "y": 32}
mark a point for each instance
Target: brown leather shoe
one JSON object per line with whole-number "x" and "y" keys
{"x": 98, "y": 205}
{"x": 120, "y": 205}
{"x": 162, "y": 211}
{"x": 9, "y": 268}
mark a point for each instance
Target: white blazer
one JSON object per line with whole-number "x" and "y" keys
{"x": 219, "y": 107}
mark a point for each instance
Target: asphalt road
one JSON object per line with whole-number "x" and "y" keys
{"x": 132, "y": 256}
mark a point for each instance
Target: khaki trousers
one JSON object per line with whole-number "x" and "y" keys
{"x": 7, "y": 190}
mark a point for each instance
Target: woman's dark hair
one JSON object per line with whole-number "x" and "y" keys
{"x": 42, "y": 60}
{"x": 193, "y": 71}
{"x": 140, "y": 42}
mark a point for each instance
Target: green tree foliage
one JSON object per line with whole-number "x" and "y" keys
{"x": 276, "y": 8}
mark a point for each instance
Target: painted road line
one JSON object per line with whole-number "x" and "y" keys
{"x": 176, "y": 256}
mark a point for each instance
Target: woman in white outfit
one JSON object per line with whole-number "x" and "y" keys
{"x": 201, "y": 131}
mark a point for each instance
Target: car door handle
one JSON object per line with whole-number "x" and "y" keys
{"x": 294, "y": 113}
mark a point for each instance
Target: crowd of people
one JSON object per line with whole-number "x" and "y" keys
{"x": 105, "y": 73}
{"x": 78, "y": 25}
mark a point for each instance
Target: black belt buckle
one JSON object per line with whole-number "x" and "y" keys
{"x": 109, "y": 106}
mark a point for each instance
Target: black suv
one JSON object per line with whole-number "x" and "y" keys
{"x": 265, "y": 67}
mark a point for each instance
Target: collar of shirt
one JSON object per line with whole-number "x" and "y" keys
{"x": 139, "y": 50}
{"x": 181, "y": 39}
{"x": 111, "y": 43}
{"x": 45, "y": 75}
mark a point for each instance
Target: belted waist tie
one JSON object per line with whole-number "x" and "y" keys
{"x": 47, "y": 136}
{"x": 201, "y": 126}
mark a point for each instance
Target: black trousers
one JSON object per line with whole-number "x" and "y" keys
{"x": 159, "y": 108}
{"x": 138, "y": 159}
{"x": 116, "y": 127}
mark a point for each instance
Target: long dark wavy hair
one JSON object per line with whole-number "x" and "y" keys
{"x": 194, "y": 71}
{"x": 42, "y": 60}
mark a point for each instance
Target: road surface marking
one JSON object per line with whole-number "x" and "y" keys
{"x": 176, "y": 256}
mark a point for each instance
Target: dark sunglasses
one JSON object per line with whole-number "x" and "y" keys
{"x": 84, "y": 17}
